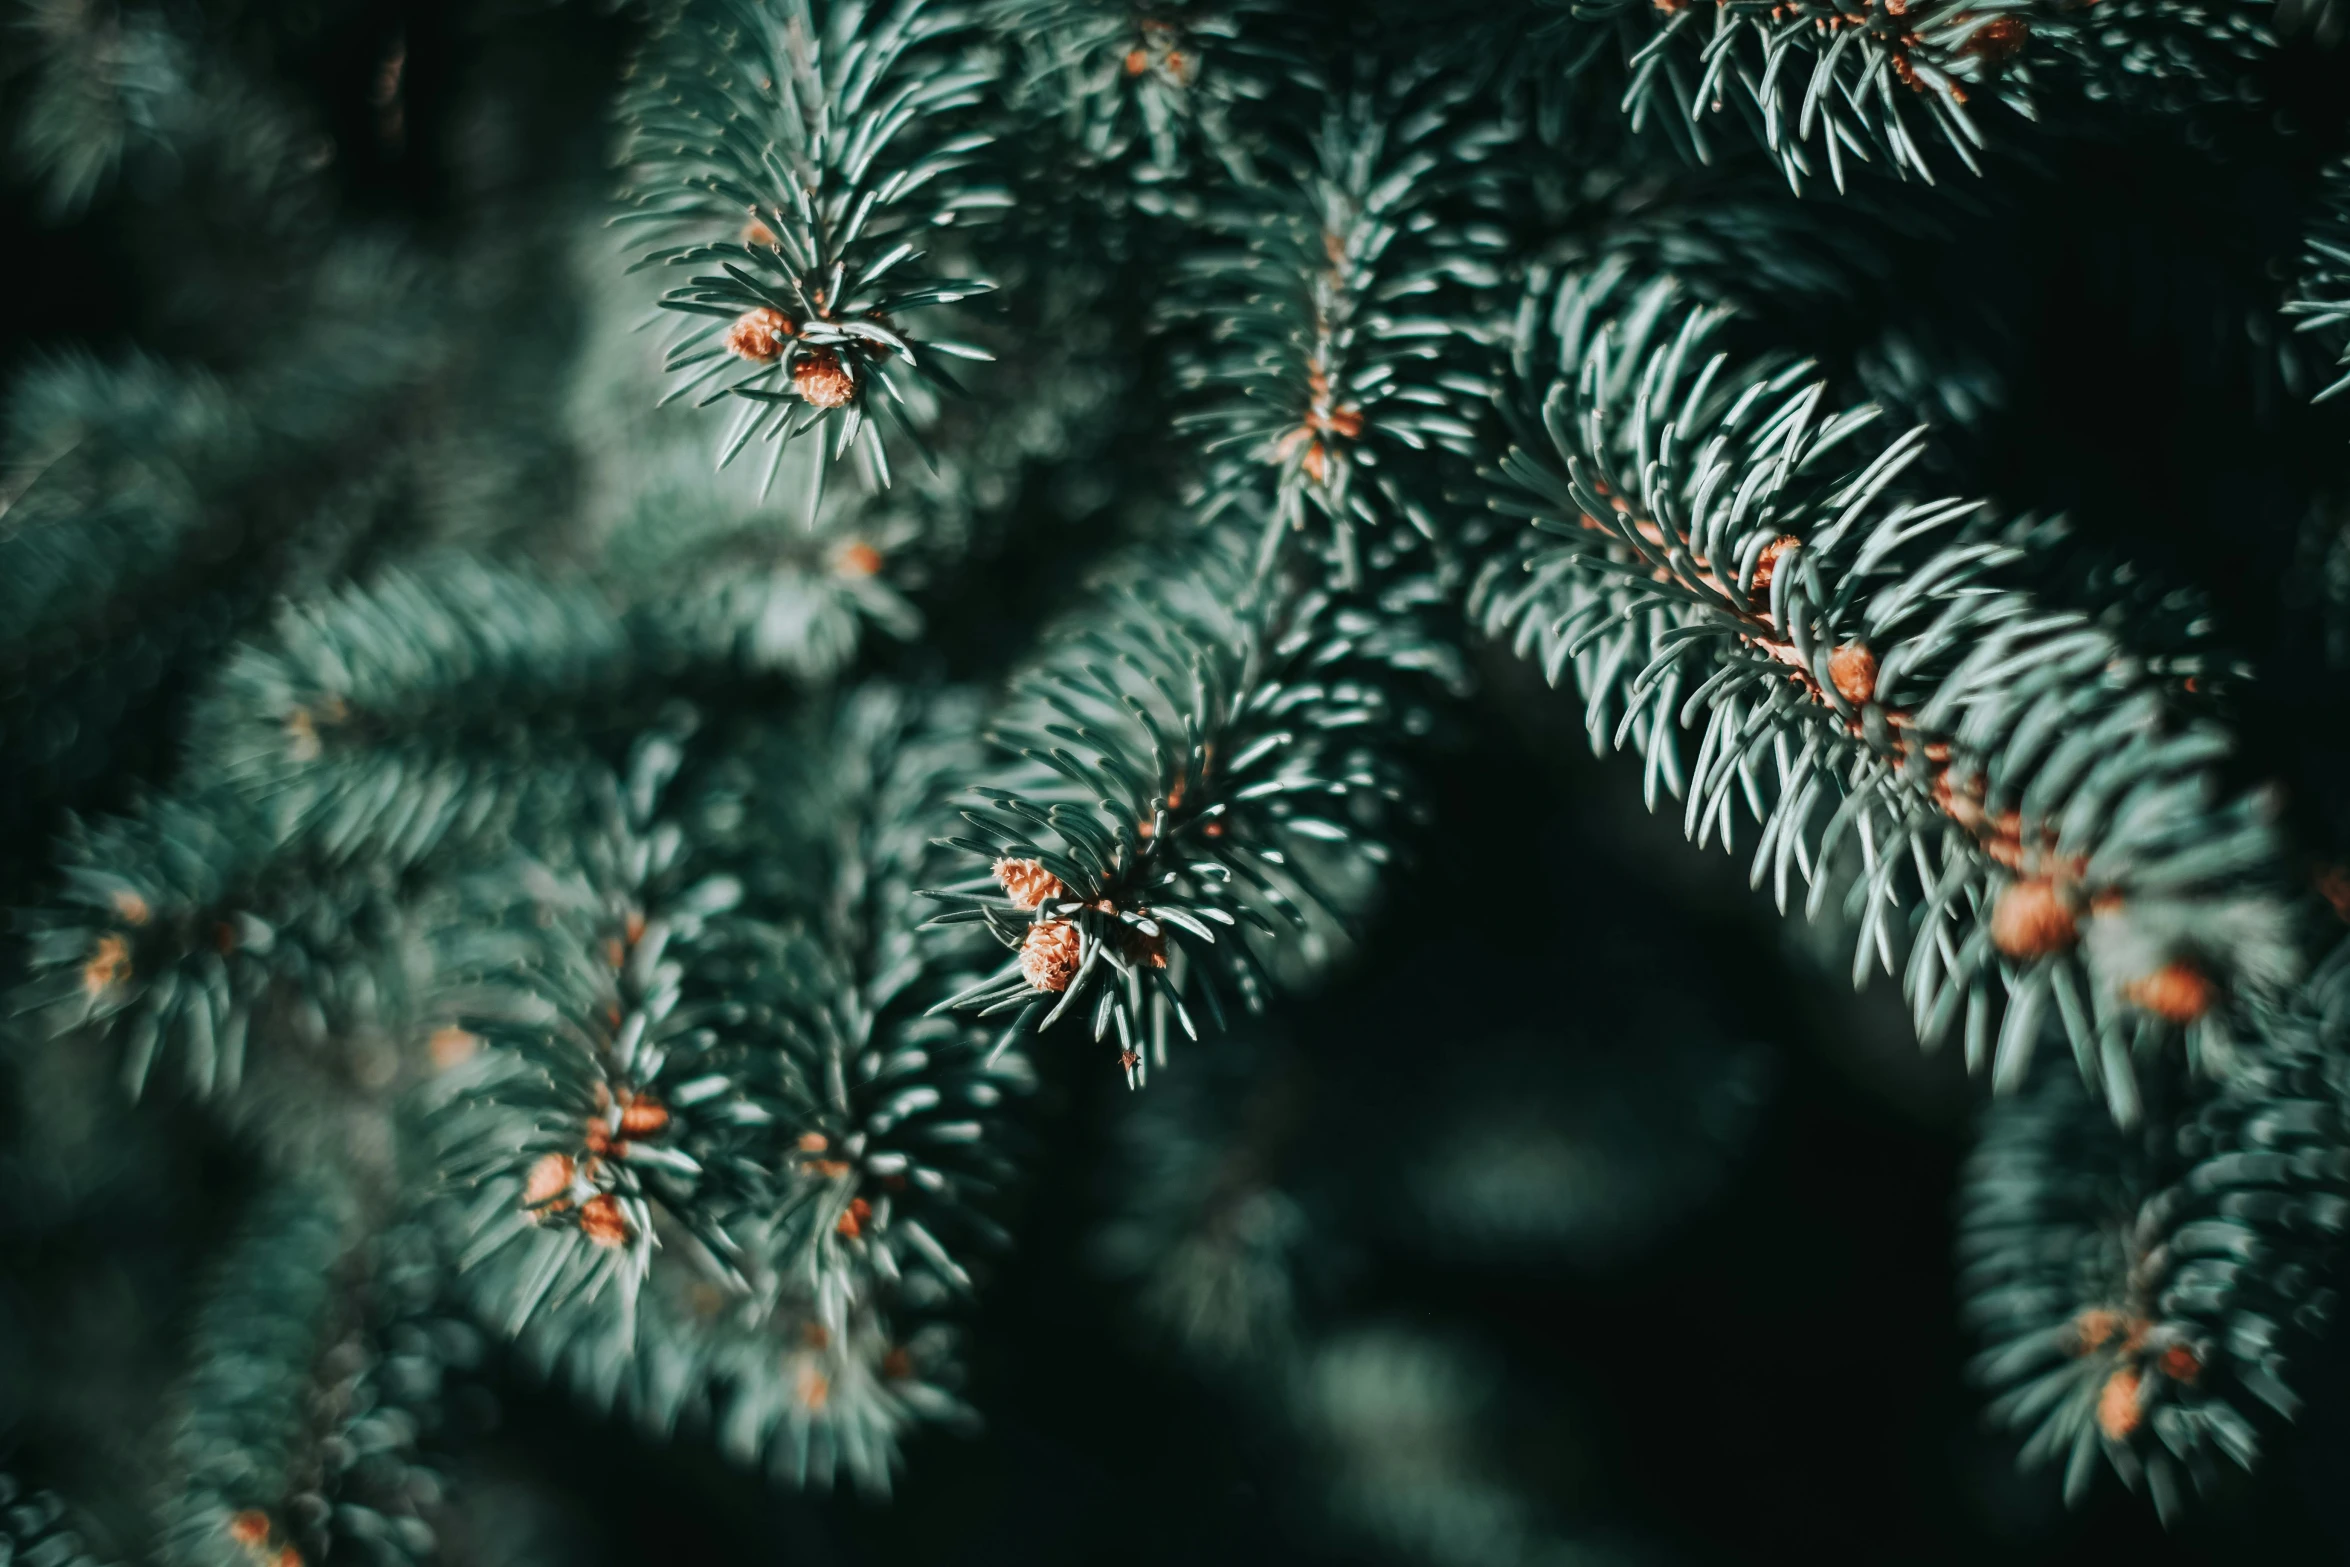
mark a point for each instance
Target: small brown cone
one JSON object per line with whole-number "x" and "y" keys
{"x": 2175, "y": 992}
{"x": 2179, "y": 1364}
{"x": 643, "y": 1116}
{"x": 857, "y": 559}
{"x": 1027, "y": 883}
{"x": 1999, "y": 40}
{"x": 109, "y": 965}
{"x": 2030, "y": 920}
{"x": 601, "y": 1220}
{"x": 1853, "y": 670}
{"x": 450, "y": 1047}
{"x": 823, "y": 380}
{"x": 549, "y": 1178}
{"x": 2095, "y": 1327}
{"x": 2117, "y": 1404}
{"x": 1049, "y": 955}
{"x": 757, "y": 335}
{"x": 1766, "y": 566}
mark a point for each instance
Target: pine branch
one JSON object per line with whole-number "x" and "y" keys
{"x": 805, "y": 154}
{"x": 318, "y": 1364}
{"x": 381, "y": 722}
{"x": 1724, "y": 548}
{"x": 2144, "y": 1294}
{"x": 1148, "y": 87}
{"x": 179, "y": 935}
{"x": 708, "y": 1146}
{"x": 1206, "y": 767}
{"x": 1901, "y": 82}
{"x": 36, "y": 1530}
{"x": 2321, "y": 296}
{"x": 1334, "y": 327}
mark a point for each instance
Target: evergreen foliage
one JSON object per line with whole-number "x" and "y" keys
{"x": 453, "y": 789}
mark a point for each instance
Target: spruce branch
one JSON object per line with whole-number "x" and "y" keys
{"x": 1900, "y": 81}
{"x": 178, "y": 934}
{"x": 588, "y": 1084}
{"x": 1148, "y": 86}
{"x": 318, "y": 1368}
{"x": 1336, "y": 316}
{"x": 2144, "y": 1294}
{"x": 702, "y": 1148}
{"x": 1817, "y": 83}
{"x": 381, "y": 721}
{"x": 807, "y": 154}
{"x": 36, "y": 1528}
{"x": 1206, "y": 766}
{"x": 2022, "y": 791}
{"x": 2321, "y": 295}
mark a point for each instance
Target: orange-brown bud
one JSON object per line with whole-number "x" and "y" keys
{"x": 2094, "y": 1327}
{"x": 601, "y": 1220}
{"x": 1766, "y": 566}
{"x": 757, "y": 335}
{"x": 1050, "y": 954}
{"x": 2118, "y": 1413}
{"x": 2031, "y": 920}
{"x": 109, "y": 965}
{"x": 1853, "y": 669}
{"x": 2176, "y": 992}
{"x": 549, "y": 1178}
{"x": 643, "y": 1116}
{"x": 1027, "y": 883}
{"x": 821, "y": 378}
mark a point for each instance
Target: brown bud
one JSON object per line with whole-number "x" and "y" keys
{"x": 1853, "y": 670}
{"x": 132, "y": 907}
{"x": 1999, "y": 40}
{"x": 643, "y": 1116}
{"x": 853, "y": 1217}
{"x": 549, "y": 1179}
{"x": 450, "y": 1046}
{"x": 1766, "y": 566}
{"x": 812, "y": 1386}
{"x": 2030, "y": 920}
{"x": 1027, "y": 883}
{"x": 823, "y": 380}
{"x": 601, "y": 1220}
{"x": 758, "y": 233}
{"x": 898, "y": 1364}
{"x": 1137, "y": 62}
{"x": 2179, "y": 1364}
{"x": 109, "y": 965}
{"x": 250, "y": 1527}
{"x": 1050, "y": 954}
{"x": 302, "y": 743}
{"x": 858, "y": 559}
{"x": 2092, "y": 1328}
{"x": 757, "y": 335}
{"x": 2117, "y": 1404}
{"x": 2175, "y": 992}
{"x": 813, "y": 1142}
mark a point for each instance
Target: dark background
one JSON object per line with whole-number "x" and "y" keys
{"x": 1779, "y": 1370}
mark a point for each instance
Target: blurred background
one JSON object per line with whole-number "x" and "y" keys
{"x": 1590, "y": 1218}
